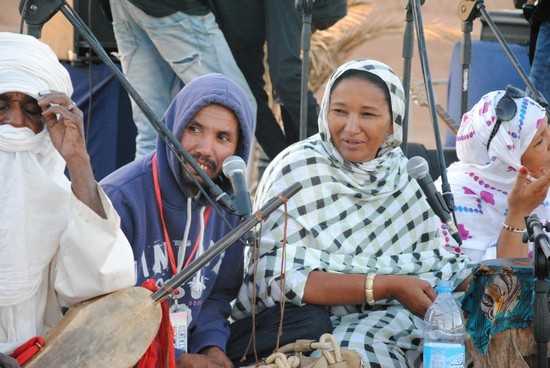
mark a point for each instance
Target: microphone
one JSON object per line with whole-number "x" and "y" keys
{"x": 418, "y": 168}
{"x": 234, "y": 168}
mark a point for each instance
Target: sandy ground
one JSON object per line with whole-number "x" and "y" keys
{"x": 442, "y": 31}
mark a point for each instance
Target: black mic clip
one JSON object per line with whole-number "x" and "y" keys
{"x": 37, "y": 12}
{"x": 305, "y": 6}
{"x": 536, "y": 233}
{"x": 467, "y": 10}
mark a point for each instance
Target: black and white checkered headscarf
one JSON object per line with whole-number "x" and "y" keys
{"x": 348, "y": 217}
{"x": 397, "y": 98}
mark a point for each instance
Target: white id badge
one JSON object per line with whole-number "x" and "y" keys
{"x": 179, "y": 317}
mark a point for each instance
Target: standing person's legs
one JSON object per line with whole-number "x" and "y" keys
{"x": 193, "y": 46}
{"x": 144, "y": 67}
{"x": 268, "y": 132}
{"x": 243, "y": 25}
{"x": 540, "y": 70}
{"x": 283, "y": 30}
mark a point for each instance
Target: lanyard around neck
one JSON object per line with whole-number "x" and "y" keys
{"x": 166, "y": 235}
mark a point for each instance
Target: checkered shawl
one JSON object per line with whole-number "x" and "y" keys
{"x": 348, "y": 217}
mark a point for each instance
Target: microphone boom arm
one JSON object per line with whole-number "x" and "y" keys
{"x": 187, "y": 273}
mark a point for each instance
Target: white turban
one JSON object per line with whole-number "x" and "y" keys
{"x": 35, "y": 193}
{"x": 30, "y": 66}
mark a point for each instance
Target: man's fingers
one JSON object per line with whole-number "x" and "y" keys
{"x": 57, "y": 112}
{"x": 59, "y": 109}
{"x": 57, "y": 98}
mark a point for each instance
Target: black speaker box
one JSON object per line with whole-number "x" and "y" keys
{"x": 67, "y": 42}
{"x": 511, "y": 24}
{"x": 95, "y": 13}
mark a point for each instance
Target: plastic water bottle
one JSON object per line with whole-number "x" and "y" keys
{"x": 444, "y": 331}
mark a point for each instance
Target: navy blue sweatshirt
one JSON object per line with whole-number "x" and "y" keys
{"x": 132, "y": 192}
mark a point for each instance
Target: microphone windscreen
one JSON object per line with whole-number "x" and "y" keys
{"x": 233, "y": 164}
{"x": 418, "y": 167}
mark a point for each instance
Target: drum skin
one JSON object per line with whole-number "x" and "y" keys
{"x": 111, "y": 331}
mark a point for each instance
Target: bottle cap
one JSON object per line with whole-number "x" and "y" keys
{"x": 444, "y": 287}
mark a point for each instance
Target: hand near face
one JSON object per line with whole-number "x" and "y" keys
{"x": 528, "y": 192}
{"x": 65, "y": 125}
{"x": 211, "y": 357}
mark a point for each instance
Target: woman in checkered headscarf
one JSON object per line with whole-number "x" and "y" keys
{"x": 361, "y": 237}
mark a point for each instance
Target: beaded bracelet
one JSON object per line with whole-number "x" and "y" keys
{"x": 512, "y": 229}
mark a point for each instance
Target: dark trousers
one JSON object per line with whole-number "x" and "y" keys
{"x": 246, "y": 25}
{"x": 307, "y": 322}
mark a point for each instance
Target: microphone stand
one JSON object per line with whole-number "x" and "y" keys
{"x": 187, "y": 273}
{"x": 468, "y": 10}
{"x": 408, "y": 49}
{"x": 536, "y": 234}
{"x": 466, "y": 60}
{"x": 306, "y": 6}
{"x": 415, "y": 6}
{"x": 37, "y": 12}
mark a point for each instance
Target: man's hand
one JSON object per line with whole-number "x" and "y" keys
{"x": 64, "y": 123}
{"x": 211, "y": 357}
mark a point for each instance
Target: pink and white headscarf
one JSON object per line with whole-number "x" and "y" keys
{"x": 481, "y": 179}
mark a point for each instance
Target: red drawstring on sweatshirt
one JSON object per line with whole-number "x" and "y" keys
{"x": 165, "y": 233}
{"x": 161, "y": 351}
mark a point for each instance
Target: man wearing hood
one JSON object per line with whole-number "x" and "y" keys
{"x": 60, "y": 241}
{"x": 169, "y": 223}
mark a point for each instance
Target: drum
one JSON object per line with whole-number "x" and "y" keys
{"x": 498, "y": 308}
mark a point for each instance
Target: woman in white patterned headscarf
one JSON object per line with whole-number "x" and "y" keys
{"x": 502, "y": 176}
{"x": 60, "y": 241}
{"x": 362, "y": 239}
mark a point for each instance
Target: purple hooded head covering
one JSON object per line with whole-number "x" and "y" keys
{"x": 202, "y": 91}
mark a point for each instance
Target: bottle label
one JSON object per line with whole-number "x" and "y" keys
{"x": 444, "y": 355}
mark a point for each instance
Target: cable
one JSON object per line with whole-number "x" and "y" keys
{"x": 90, "y": 79}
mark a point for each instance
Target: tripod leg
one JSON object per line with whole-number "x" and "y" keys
{"x": 466, "y": 62}
{"x": 306, "y": 41}
{"x": 515, "y": 63}
{"x": 541, "y": 323}
{"x": 422, "y": 51}
{"x": 408, "y": 49}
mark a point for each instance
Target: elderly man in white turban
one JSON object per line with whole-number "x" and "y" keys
{"x": 60, "y": 241}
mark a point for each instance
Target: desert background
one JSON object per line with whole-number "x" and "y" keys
{"x": 384, "y": 20}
